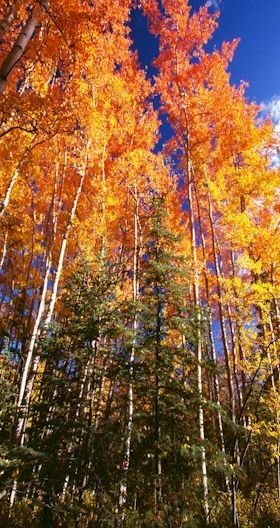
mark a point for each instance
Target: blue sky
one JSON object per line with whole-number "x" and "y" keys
{"x": 257, "y": 23}
{"x": 257, "y": 58}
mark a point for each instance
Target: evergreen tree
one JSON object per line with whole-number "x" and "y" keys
{"x": 165, "y": 452}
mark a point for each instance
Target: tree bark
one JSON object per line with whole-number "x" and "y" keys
{"x": 6, "y": 200}
{"x": 211, "y": 337}
{"x": 64, "y": 243}
{"x": 17, "y": 50}
{"x": 130, "y": 402}
{"x": 26, "y": 387}
{"x": 4, "y": 253}
{"x": 196, "y": 298}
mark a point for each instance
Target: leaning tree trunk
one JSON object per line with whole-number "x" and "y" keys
{"x": 8, "y": 193}
{"x": 64, "y": 244}
{"x": 25, "y": 395}
{"x": 17, "y": 50}
{"x": 26, "y": 387}
{"x": 6, "y": 199}
{"x": 19, "y": 47}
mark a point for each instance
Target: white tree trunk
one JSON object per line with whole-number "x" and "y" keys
{"x": 17, "y": 50}
{"x": 4, "y": 253}
{"x": 211, "y": 338}
{"x": 6, "y": 200}
{"x": 64, "y": 245}
{"x": 26, "y": 388}
{"x": 130, "y": 403}
{"x": 235, "y": 454}
{"x": 103, "y": 207}
{"x": 199, "y": 346}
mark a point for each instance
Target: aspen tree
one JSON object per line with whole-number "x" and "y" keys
{"x": 211, "y": 334}
{"x": 131, "y": 359}
{"x": 196, "y": 298}
{"x": 19, "y": 46}
{"x": 82, "y": 171}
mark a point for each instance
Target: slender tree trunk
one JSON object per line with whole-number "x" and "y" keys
{"x": 274, "y": 387}
{"x": 196, "y": 298}
{"x": 211, "y": 337}
{"x": 235, "y": 454}
{"x": 158, "y": 464}
{"x": 277, "y": 330}
{"x": 77, "y": 417}
{"x": 130, "y": 403}
{"x": 241, "y": 356}
{"x": 222, "y": 317}
{"x": 103, "y": 206}
{"x": 6, "y": 200}
{"x": 273, "y": 364}
{"x": 234, "y": 341}
{"x": 4, "y": 253}
{"x": 64, "y": 244}
{"x": 228, "y": 315}
{"x": 26, "y": 388}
